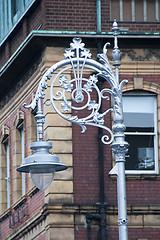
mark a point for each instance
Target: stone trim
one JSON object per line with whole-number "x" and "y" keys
{"x": 5, "y": 132}
{"x": 56, "y": 218}
{"x": 140, "y": 84}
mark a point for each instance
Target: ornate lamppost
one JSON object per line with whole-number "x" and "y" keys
{"x": 43, "y": 165}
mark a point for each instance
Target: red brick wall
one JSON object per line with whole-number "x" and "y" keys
{"x": 86, "y": 165}
{"x": 112, "y": 233}
{"x": 86, "y": 162}
{"x": 77, "y": 15}
{"x": 81, "y": 233}
{"x": 134, "y": 233}
{"x": 34, "y": 201}
{"x": 32, "y": 206}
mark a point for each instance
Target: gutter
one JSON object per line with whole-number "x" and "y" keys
{"x": 97, "y": 34}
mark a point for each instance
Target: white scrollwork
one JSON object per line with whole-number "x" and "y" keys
{"x": 107, "y": 72}
{"x": 78, "y": 91}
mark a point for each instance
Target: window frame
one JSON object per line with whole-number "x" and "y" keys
{"x": 5, "y": 142}
{"x": 5, "y": 169}
{"x": 155, "y": 133}
{"x": 8, "y": 22}
{"x": 20, "y": 127}
{"x": 133, "y": 14}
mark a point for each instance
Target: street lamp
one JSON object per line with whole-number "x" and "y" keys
{"x": 41, "y": 165}
{"x": 77, "y": 94}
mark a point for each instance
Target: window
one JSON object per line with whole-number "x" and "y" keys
{"x": 15, "y": 7}
{"x": 7, "y": 178}
{"x": 19, "y": 181}
{"x": 20, "y": 128}
{"x": 140, "y": 119}
{"x": 135, "y": 10}
{"x": 11, "y": 13}
{"x": 4, "y": 170}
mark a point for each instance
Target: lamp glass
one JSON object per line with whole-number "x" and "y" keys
{"x": 42, "y": 179}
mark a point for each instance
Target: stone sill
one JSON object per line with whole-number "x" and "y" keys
{"x": 149, "y": 177}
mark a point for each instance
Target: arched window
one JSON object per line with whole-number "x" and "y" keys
{"x": 20, "y": 129}
{"x": 5, "y": 170}
{"x": 140, "y": 119}
{"x": 19, "y": 155}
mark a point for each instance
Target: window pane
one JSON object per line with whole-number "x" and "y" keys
{"x": 158, "y": 11}
{"x": 127, "y": 10}
{"x": 8, "y": 173}
{"x": 140, "y": 129}
{"x": 115, "y": 10}
{"x": 14, "y": 4}
{"x": 138, "y": 111}
{"x": 22, "y": 157}
{"x": 139, "y": 16}
{"x": 141, "y": 152}
{"x": 151, "y": 10}
{"x": 140, "y": 121}
{"x": 138, "y": 103}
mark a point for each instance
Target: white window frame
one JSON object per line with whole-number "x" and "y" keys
{"x": 121, "y": 9}
{"x": 156, "y": 170}
{"x": 23, "y": 157}
{"x": 20, "y": 127}
{"x": 157, "y": 10}
{"x": 6, "y": 145}
{"x": 133, "y": 10}
{"x": 145, "y": 10}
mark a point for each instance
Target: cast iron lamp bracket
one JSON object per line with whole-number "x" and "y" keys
{"x": 73, "y": 91}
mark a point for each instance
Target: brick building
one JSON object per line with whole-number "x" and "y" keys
{"x": 33, "y": 36}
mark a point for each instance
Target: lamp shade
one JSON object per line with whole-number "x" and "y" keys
{"x": 41, "y": 165}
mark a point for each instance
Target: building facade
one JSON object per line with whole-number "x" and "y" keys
{"x": 81, "y": 203}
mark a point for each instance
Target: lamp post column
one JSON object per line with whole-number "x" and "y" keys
{"x": 40, "y": 120}
{"x": 119, "y": 146}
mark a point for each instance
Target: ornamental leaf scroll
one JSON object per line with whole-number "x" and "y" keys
{"x": 77, "y": 61}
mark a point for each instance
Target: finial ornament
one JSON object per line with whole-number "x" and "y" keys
{"x": 115, "y": 26}
{"x": 116, "y": 52}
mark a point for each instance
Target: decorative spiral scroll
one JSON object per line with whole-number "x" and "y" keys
{"x": 81, "y": 99}
{"x": 82, "y": 90}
